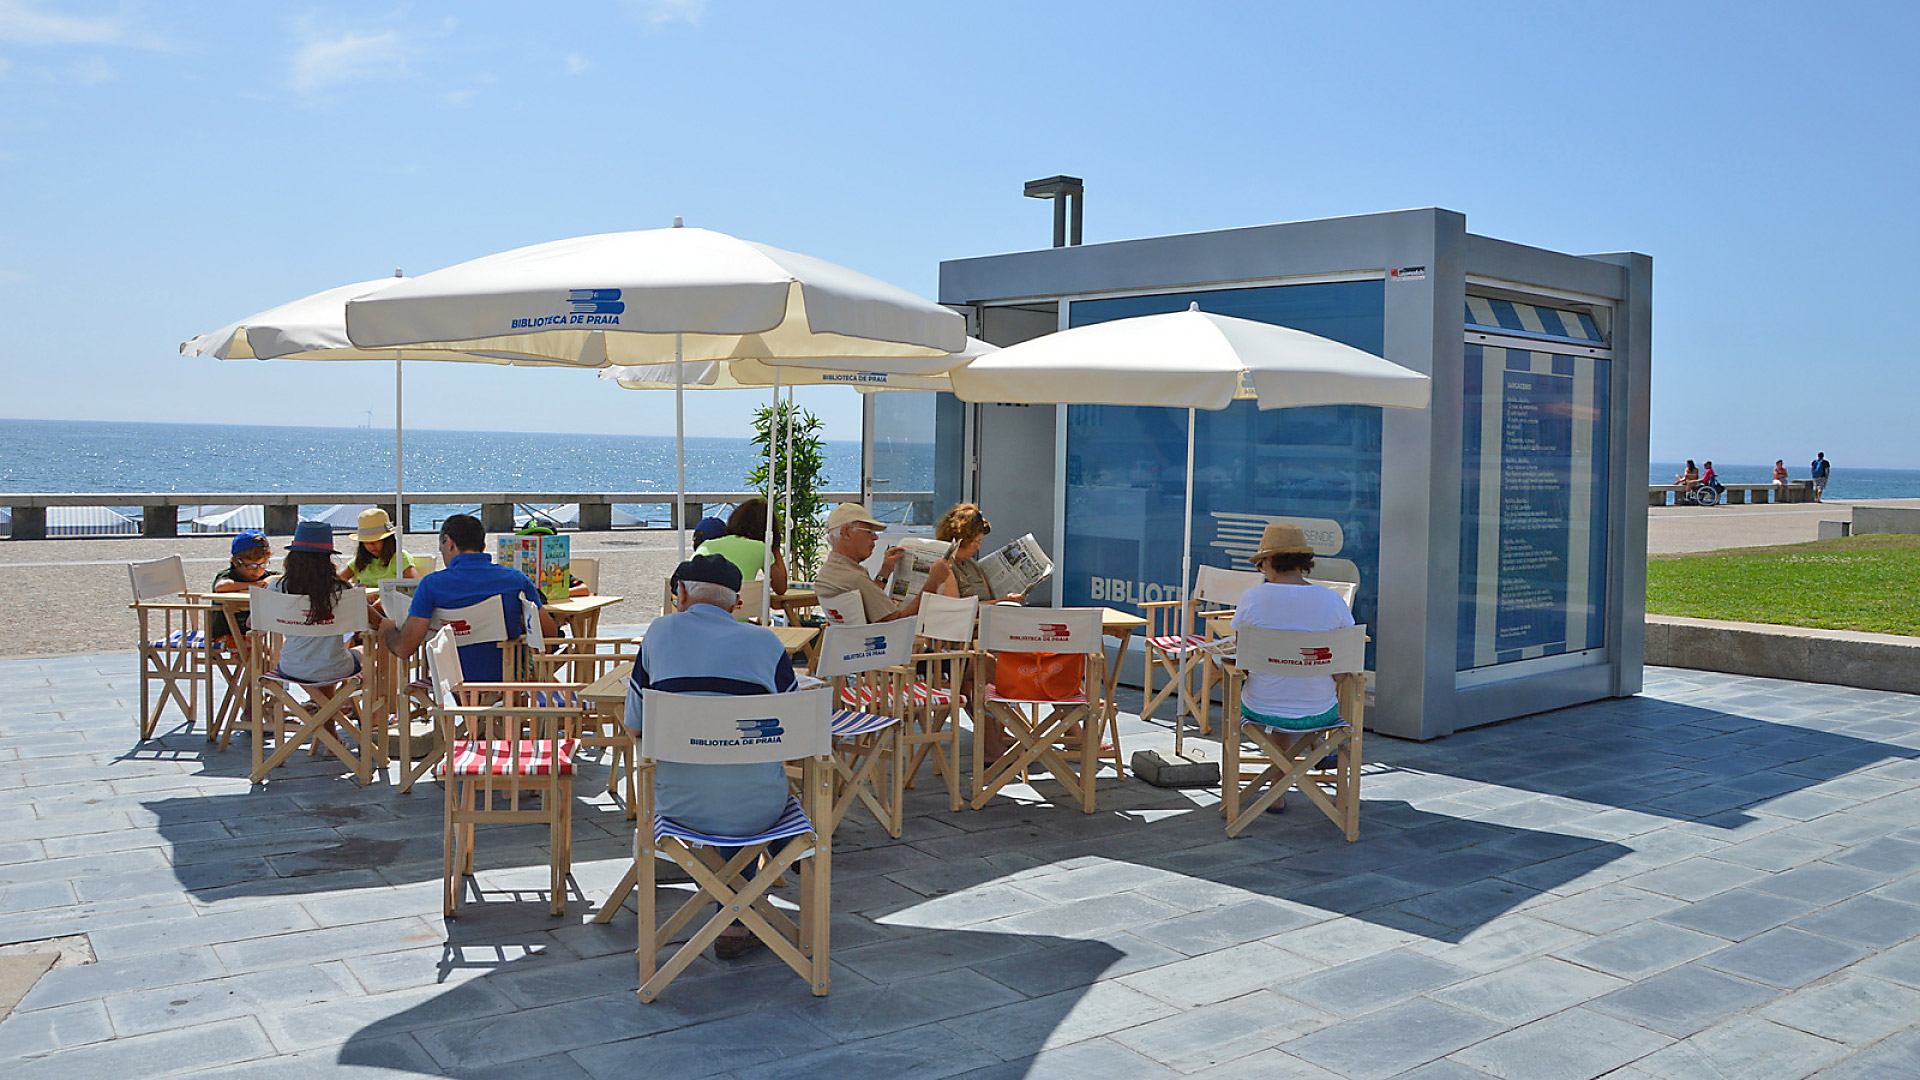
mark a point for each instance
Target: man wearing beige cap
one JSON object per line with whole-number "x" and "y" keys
{"x": 851, "y": 532}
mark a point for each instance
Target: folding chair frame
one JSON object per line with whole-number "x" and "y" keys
{"x": 1290, "y": 760}
{"x": 471, "y": 799}
{"x": 859, "y": 758}
{"x": 582, "y": 662}
{"x": 177, "y": 657}
{"x": 802, "y": 946}
{"x": 295, "y": 723}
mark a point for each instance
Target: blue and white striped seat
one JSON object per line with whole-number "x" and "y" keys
{"x": 182, "y": 639}
{"x": 848, "y": 723}
{"x": 793, "y": 822}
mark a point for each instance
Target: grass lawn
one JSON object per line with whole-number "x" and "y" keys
{"x": 1869, "y": 583}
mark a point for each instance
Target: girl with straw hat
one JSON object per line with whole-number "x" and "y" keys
{"x": 377, "y": 555}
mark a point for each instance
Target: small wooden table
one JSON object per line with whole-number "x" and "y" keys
{"x": 580, "y": 615}
{"x": 795, "y": 599}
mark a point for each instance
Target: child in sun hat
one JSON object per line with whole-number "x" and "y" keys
{"x": 247, "y": 566}
{"x": 376, "y": 554}
{"x": 310, "y": 573}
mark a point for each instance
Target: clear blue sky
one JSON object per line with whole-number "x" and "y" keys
{"x": 168, "y": 167}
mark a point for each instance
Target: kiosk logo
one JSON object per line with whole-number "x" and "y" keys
{"x": 1045, "y": 632}
{"x": 1239, "y": 534}
{"x": 1317, "y": 655}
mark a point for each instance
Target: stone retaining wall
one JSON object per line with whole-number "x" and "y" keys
{"x": 1840, "y": 657}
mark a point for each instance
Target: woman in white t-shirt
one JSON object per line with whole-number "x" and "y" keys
{"x": 1288, "y": 601}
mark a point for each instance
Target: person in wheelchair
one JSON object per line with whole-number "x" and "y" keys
{"x": 1710, "y": 479}
{"x": 702, "y": 649}
{"x": 1286, "y": 600}
{"x": 1688, "y": 479}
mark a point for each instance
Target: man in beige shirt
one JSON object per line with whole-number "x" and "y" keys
{"x": 851, "y": 533}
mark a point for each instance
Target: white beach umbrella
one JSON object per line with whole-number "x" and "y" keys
{"x": 1194, "y": 360}
{"x": 315, "y": 328}
{"x": 662, "y": 295}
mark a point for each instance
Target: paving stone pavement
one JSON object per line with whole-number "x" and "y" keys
{"x": 1720, "y": 877}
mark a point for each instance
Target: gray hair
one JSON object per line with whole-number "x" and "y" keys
{"x": 706, "y": 592}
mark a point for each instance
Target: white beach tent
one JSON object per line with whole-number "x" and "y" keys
{"x": 225, "y": 519}
{"x": 89, "y": 521}
{"x": 666, "y": 295}
{"x": 1194, "y": 360}
{"x": 341, "y": 515}
{"x": 567, "y": 516}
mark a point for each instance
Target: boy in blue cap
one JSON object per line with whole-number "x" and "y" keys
{"x": 246, "y": 567}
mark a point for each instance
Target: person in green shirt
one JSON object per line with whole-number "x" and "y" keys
{"x": 743, "y": 546}
{"x": 377, "y": 555}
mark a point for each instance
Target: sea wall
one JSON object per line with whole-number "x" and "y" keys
{"x": 1839, "y": 657}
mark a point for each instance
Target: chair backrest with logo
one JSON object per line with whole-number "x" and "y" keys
{"x": 1301, "y": 653}
{"x": 737, "y": 729}
{"x": 849, "y": 650}
{"x": 948, "y": 618}
{"x": 1224, "y": 588}
{"x": 476, "y": 624}
{"x": 847, "y": 609}
{"x": 160, "y": 579}
{"x": 289, "y": 615}
{"x": 1040, "y": 653}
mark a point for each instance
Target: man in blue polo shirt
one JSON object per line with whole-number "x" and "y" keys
{"x": 701, "y": 649}
{"x": 470, "y": 577}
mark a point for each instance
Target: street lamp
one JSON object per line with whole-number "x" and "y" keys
{"x": 1062, "y": 190}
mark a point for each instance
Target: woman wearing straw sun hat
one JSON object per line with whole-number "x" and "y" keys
{"x": 1286, "y": 600}
{"x": 377, "y": 555}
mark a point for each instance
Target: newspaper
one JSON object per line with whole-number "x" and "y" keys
{"x": 1016, "y": 568}
{"x": 910, "y": 573}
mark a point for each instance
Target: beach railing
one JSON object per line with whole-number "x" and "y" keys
{"x": 160, "y": 511}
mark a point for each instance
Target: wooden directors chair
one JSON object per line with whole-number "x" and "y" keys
{"x": 1172, "y": 639}
{"x": 738, "y": 730}
{"x": 504, "y": 742}
{"x": 867, "y": 666}
{"x": 1291, "y": 758}
{"x": 295, "y": 712}
{"x": 1061, "y": 643}
{"x": 942, "y": 683}
{"x": 175, "y": 655}
{"x": 583, "y": 661}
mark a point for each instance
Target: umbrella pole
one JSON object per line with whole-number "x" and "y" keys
{"x": 679, "y": 451}
{"x": 766, "y": 536}
{"x": 1186, "y": 596}
{"x": 399, "y": 505}
{"x": 786, "y": 526}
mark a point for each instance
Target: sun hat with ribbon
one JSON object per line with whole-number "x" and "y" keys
{"x": 375, "y": 526}
{"x": 312, "y": 536}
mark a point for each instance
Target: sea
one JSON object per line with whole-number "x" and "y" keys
{"x": 87, "y": 456}
{"x": 1845, "y": 482}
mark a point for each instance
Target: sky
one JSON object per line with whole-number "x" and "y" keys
{"x": 169, "y": 167}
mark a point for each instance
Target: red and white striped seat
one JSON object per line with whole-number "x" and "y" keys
{"x": 993, "y": 694}
{"x": 1174, "y": 643}
{"x": 495, "y": 757}
{"x": 866, "y": 697}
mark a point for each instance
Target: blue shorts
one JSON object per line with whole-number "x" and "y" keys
{"x": 1330, "y": 718}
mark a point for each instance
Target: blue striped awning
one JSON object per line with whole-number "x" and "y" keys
{"x": 1531, "y": 320}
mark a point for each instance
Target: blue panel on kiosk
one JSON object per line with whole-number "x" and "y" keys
{"x": 1319, "y": 467}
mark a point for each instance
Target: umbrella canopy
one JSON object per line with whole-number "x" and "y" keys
{"x": 315, "y": 328}
{"x": 1188, "y": 359}
{"x": 661, "y": 295}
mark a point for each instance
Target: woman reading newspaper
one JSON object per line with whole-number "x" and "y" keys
{"x": 965, "y": 527}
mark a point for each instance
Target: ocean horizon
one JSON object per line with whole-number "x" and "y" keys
{"x": 124, "y": 456}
